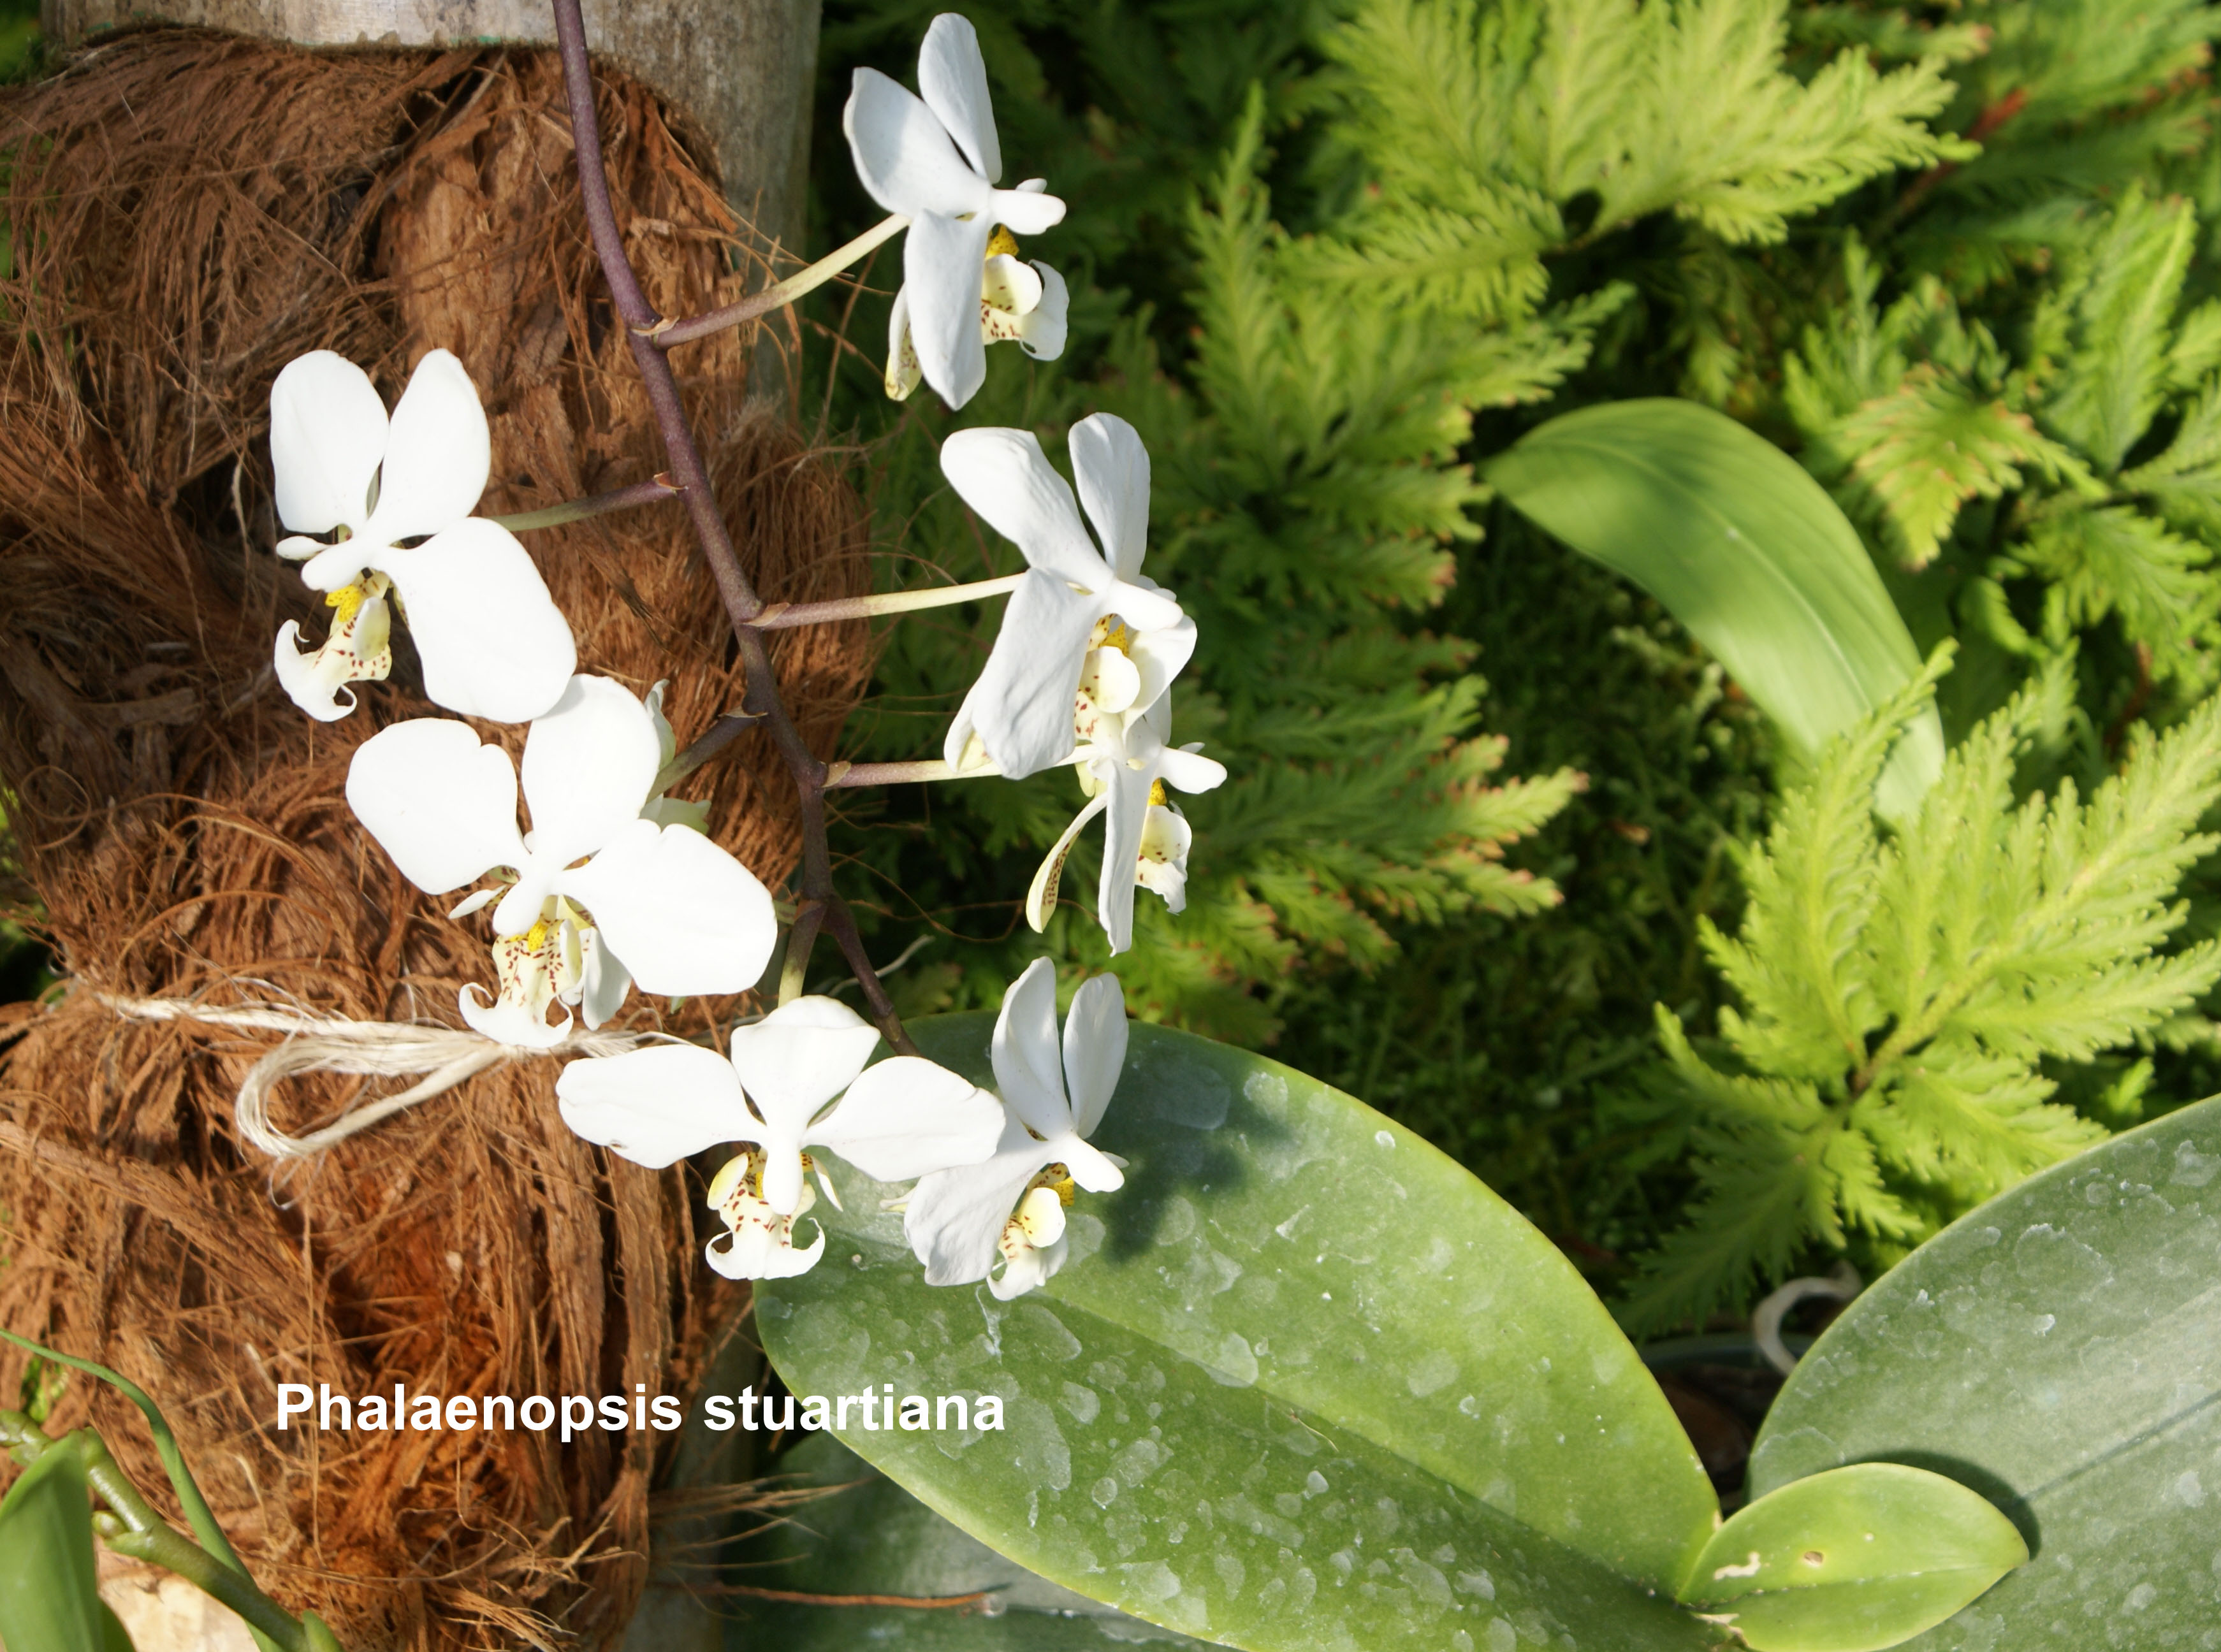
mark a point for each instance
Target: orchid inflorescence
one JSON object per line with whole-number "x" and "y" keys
{"x": 616, "y": 884}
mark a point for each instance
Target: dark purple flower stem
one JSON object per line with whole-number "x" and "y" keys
{"x": 743, "y": 605}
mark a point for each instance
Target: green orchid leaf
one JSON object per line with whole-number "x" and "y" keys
{"x": 198, "y": 1516}
{"x": 1303, "y": 1383}
{"x": 1853, "y": 1559}
{"x": 2059, "y": 1351}
{"x": 49, "y": 1591}
{"x": 868, "y": 1540}
{"x": 1744, "y": 548}
{"x": 114, "y": 1636}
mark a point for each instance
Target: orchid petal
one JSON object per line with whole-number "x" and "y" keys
{"x": 1122, "y": 852}
{"x": 1010, "y": 284}
{"x": 656, "y": 1106}
{"x": 957, "y": 745}
{"x": 904, "y": 374}
{"x": 1024, "y": 1051}
{"x": 954, "y": 1219}
{"x": 905, "y": 158}
{"x": 328, "y": 433}
{"x": 1112, "y": 679}
{"x": 492, "y": 641}
{"x": 1027, "y": 211}
{"x": 314, "y": 690}
{"x": 1165, "y": 839}
{"x": 588, "y": 764}
{"x": 1112, "y": 469}
{"x": 1144, "y": 604}
{"x": 784, "y": 1183}
{"x": 667, "y": 737}
{"x": 1041, "y": 898}
{"x": 1028, "y": 1270}
{"x": 335, "y": 565}
{"x": 1159, "y": 656}
{"x": 685, "y": 916}
{"x": 1005, "y": 477}
{"x": 943, "y": 260}
{"x": 1042, "y": 334}
{"x": 800, "y": 1056}
{"x": 1039, "y": 1217}
{"x": 1098, "y": 1172}
{"x": 908, "y": 1118}
{"x": 603, "y": 981}
{"x": 438, "y": 454}
{"x": 300, "y": 547}
{"x": 756, "y": 1251}
{"x": 440, "y": 803}
{"x": 507, "y": 1021}
{"x": 1190, "y": 772}
{"x": 952, "y": 78}
{"x": 476, "y": 901}
{"x": 1094, "y": 1048}
{"x": 1022, "y": 705}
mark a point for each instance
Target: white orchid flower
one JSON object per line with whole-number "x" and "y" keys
{"x": 667, "y": 908}
{"x": 1125, "y": 770}
{"x": 935, "y": 159}
{"x": 398, "y": 494}
{"x": 1021, "y": 301}
{"x": 902, "y": 1118}
{"x": 1082, "y": 617}
{"x": 1013, "y": 1206}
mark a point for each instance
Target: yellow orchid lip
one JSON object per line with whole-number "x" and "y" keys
{"x": 1002, "y": 243}
{"x": 1112, "y": 632}
{"x": 349, "y": 599}
{"x": 741, "y": 1177}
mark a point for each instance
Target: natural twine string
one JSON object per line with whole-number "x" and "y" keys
{"x": 328, "y": 1043}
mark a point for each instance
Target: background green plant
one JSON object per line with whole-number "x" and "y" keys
{"x": 1327, "y": 258}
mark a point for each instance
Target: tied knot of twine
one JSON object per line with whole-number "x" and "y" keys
{"x": 315, "y": 1042}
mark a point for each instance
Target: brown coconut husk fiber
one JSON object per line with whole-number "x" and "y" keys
{"x": 187, "y": 213}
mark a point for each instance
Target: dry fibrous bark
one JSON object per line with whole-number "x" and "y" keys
{"x": 737, "y": 72}
{"x": 188, "y": 212}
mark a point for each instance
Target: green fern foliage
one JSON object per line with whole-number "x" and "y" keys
{"x": 1957, "y": 256}
{"x": 1901, "y": 997}
{"x": 1484, "y": 124}
{"x": 1913, "y": 412}
{"x": 1317, "y": 479}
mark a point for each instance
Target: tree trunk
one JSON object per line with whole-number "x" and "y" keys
{"x": 740, "y": 70}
